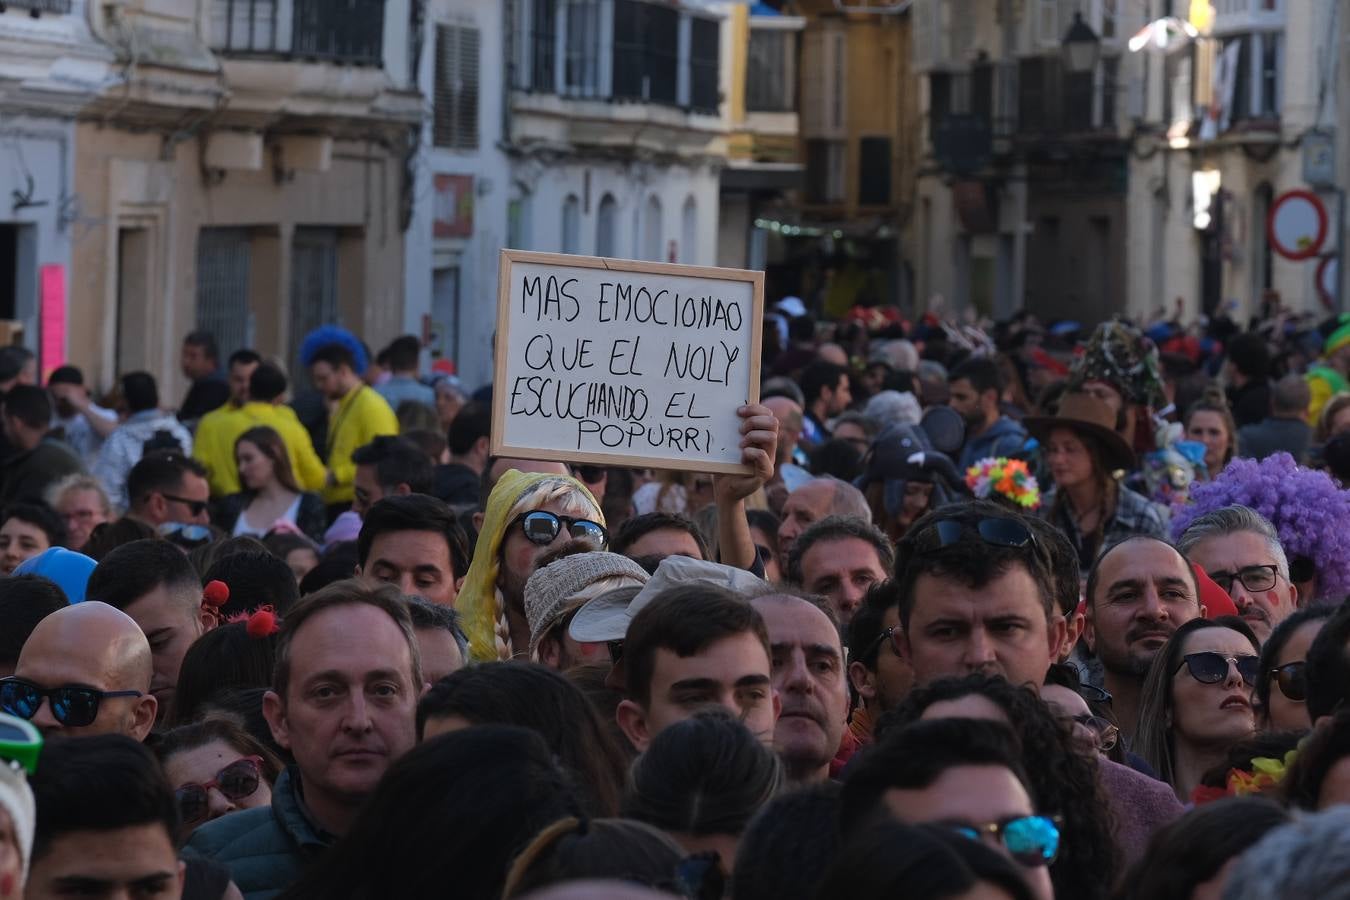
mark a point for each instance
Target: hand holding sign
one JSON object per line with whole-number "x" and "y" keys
{"x": 625, "y": 363}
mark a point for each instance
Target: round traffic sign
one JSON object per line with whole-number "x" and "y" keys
{"x": 1297, "y": 225}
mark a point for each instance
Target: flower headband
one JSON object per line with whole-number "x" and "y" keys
{"x": 1011, "y": 479}
{"x": 1266, "y": 773}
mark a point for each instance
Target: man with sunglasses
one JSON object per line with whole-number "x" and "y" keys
{"x": 1138, "y": 593}
{"x": 527, "y": 516}
{"x": 962, "y": 774}
{"x": 978, "y": 595}
{"x": 168, "y": 488}
{"x": 153, "y": 582}
{"x": 85, "y": 670}
{"x": 1240, "y": 550}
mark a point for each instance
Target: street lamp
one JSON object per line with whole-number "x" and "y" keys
{"x": 1081, "y": 46}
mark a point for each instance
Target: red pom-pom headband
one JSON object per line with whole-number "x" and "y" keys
{"x": 216, "y": 594}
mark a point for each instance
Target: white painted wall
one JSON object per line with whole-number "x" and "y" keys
{"x": 632, "y": 186}
{"x": 49, "y": 67}
{"x": 476, "y": 256}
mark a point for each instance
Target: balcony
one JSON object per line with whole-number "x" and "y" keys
{"x": 347, "y": 32}
{"x": 38, "y": 7}
{"x": 620, "y": 51}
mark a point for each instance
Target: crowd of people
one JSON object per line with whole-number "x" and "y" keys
{"x": 1012, "y": 611}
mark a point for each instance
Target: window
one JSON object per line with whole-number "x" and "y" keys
{"x": 1256, "y": 82}
{"x": 825, "y": 171}
{"x": 223, "y": 256}
{"x": 874, "y": 171}
{"x": 770, "y": 73}
{"x": 314, "y": 281}
{"x": 343, "y": 31}
{"x": 543, "y": 45}
{"x": 651, "y": 230}
{"x": 244, "y": 25}
{"x": 704, "y": 43}
{"x": 455, "y": 122}
{"x": 646, "y": 52}
{"x": 1110, "y": 72}
{"x": 571, "y": 225}
{"x": 1047, "y": 22}
{"x": 581, "y": 73}
{"x": 689, "y": 231}
{"x": 518, "y": 218}
{"x": 606, "y": 222}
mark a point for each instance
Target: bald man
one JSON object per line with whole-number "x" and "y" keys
{"x": 99, "y": 652}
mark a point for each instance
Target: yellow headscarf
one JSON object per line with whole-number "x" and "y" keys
{"x": 477, "y": 600}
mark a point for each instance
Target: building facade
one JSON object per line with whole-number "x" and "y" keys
{"x": 614, "y": 128}
{"x": 764, "y": 173}
{"x": 1231, "y": 118}
{"x": 852, "y": 241}
{"x": 250, "y": 178}
{"x": 461, "y": 183}
{"x": 51, "y": 65}
{"x": 1021, "y": 198}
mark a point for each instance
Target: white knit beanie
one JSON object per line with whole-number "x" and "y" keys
{"x": 550, "y": 590}
{"x": 16, "y": 798}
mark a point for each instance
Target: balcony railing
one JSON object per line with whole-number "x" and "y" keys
{"x": 36, "y": 7}
{"x": 341, "y": 31}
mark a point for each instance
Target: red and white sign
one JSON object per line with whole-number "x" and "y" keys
{"x": 452, "y": 215}
{"x": 1328, "y": 274}
{"x": 1297, "y": 225}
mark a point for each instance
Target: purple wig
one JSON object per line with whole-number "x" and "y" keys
{"x": 1310, "y": 513}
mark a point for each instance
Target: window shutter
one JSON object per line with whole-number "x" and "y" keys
{"x": 455, "y": 118}
{"x": 466, "y": 112}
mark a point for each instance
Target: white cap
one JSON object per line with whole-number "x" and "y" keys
{"x": 792, "y": 306}
{"x": 606, "y": 617}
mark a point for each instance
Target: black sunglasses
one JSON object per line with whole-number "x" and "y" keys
{"x": 542, "y": 527}
{"x": 72, "y": 706}
{"x": 196, "y": 507}
{"x": 996, "y": 532}
{"x": 1292, "y": 679}
{"x": 1209, "y": 667}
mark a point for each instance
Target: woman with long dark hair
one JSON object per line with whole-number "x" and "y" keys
{"x": 270, "y": 493}
{"x": 1196, "y": 701}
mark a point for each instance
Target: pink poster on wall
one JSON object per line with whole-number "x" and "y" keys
{"x": 52, "y": 319}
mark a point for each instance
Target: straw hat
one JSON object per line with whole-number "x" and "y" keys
{"x": 1085, "y": 414}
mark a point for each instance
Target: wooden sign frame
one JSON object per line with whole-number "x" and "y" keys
{"x": 509, "y": 258}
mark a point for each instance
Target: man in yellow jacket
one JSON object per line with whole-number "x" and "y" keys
{"x": 221, "y": 428}
{"x": 336, "y": 359}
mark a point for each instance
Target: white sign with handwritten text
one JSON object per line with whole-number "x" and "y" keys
{"x": 625, "y": 363}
